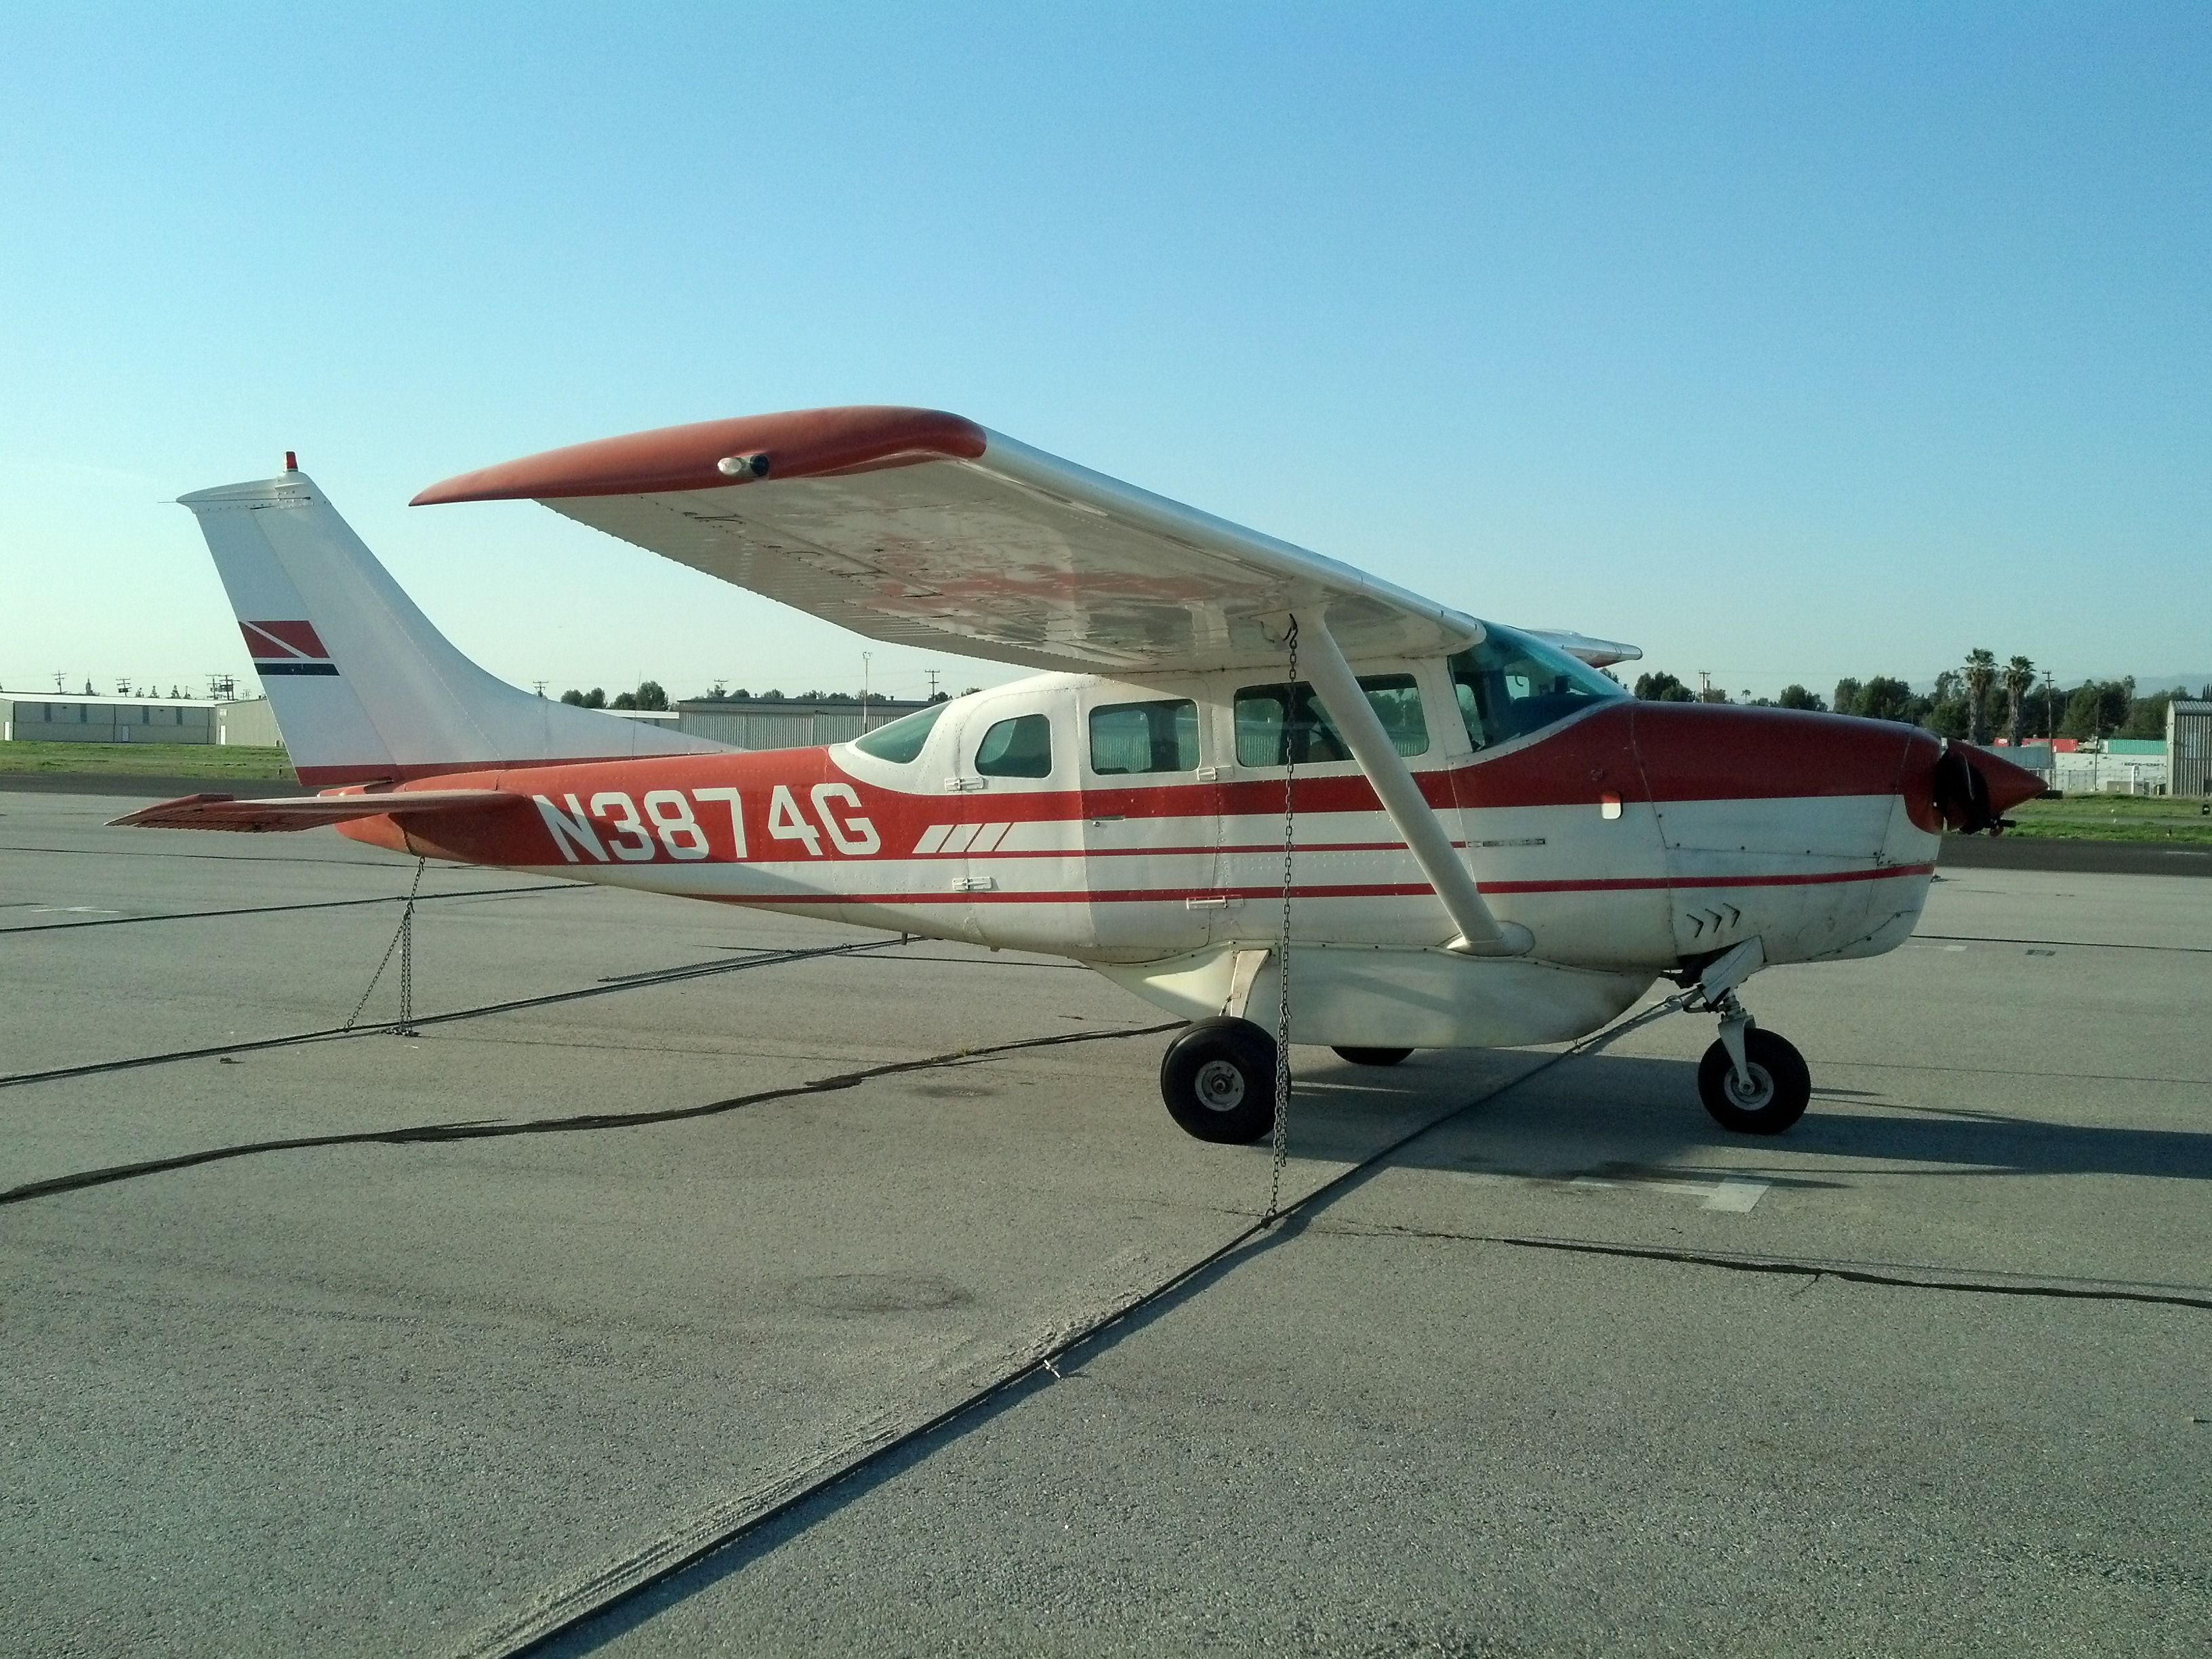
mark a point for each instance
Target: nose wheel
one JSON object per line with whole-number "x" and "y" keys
{"x": 1752, "y": 1081}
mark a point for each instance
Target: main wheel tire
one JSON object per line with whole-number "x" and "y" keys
{"x": 1218, "y": 1081}
{"x": 1373, "y": 1056}
{"x": 1781, "y": 1087}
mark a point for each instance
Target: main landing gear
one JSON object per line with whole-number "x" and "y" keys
{"x": 1218, "y": 1080}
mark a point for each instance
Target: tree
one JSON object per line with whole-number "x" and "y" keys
{"x": 1663, "y": 688}
{"x": 1981, "y": 669}
{"x": 1948, "y": 717}
{"x": 2147, "y": 715}
{"x": 1846, "y": 698}
{"x": 2019, "y": 681}
{"x": 649, "y": 695}
{"x": 594, "y": 698}
{"x": 2097, "y": 709}
{"x": 1882, "y": 698}
{"x": 1797, "y": 696}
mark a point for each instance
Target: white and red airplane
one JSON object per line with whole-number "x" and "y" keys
{"x": 1495, "y": 845}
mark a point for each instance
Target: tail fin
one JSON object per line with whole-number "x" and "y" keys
{"x": 363, "y": 688}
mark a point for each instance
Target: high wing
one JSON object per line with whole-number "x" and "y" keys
{"x": 303, "y": 812}
{"x": 923, "y": 529}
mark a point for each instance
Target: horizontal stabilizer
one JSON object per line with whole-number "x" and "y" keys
{"x": 303, "y": 812}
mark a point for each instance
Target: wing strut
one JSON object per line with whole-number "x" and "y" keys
{"x": 1480, "y": 933}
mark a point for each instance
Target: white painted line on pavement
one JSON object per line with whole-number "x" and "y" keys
{"x": 1735, "y": 1194}
{"x": 1731, "y": 1195}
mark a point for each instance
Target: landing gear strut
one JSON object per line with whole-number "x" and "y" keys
{"x": 1752, "y": 1081}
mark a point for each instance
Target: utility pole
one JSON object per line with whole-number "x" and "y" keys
{"x": 867, "y": 663}
{"x": 540, "y": 684}
{"x": 932, "y": 672}
{"x": 2050, "y": 725}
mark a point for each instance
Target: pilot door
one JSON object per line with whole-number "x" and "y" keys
{"x": 1013, "y": 844}
{"x": 1152, "y": 822}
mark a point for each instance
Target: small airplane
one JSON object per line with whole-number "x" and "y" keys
{"x": 1237, "y": 755}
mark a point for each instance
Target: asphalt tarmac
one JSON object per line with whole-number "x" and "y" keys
{"x": 667, "y": 1215}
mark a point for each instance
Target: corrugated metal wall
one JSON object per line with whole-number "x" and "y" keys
{"x": 784, "y": 725}
{"x": 252, "y": 724}
{"x": 31, "y": 720}
{"x": 2188, "y": 748}
{"x": 122, "y": 720}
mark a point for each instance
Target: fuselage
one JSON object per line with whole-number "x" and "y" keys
{"x": 1140, "y": 827}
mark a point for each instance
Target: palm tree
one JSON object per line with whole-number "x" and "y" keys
{"x": 2019, "y": 681}
{"x": 1981, "y": 668}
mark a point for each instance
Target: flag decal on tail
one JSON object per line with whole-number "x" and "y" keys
{"x": 286, "y": 647}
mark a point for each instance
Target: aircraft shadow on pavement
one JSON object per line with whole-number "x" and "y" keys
{"x": 1599, "y": 1116}
{"x": 1605, "y": 1116}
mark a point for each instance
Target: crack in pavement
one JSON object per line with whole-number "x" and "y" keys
{"x": 582, "y": 1122}
{"x": 1786, "y": 1265}
{"x": 408, "y": 1027}
{"x": 276, "y": 909}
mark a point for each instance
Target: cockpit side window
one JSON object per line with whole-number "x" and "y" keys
{"x": 1018, "y": 748}
{"x": 1510, "y": 685}
{"x": 900, "y": 742}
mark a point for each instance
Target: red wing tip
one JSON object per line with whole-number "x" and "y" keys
{"x": 797, "y": 444}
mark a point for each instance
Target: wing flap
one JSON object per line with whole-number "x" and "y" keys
{"x": 303, "y": 812}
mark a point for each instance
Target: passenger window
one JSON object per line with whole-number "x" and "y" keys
{"x": 1018, "y": 748}
{"x": 1143, "y": 736}
{"x": 1268, "y": 735}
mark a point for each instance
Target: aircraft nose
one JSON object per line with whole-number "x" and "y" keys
{"x": 1974, "y": 789}
{"x": 1702, "y": 751}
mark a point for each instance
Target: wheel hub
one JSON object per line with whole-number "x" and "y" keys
{"x": 1758, "y": 1094}
{"x": 1220, "y": 1086}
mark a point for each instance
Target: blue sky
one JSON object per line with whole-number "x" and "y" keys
{"x": 1787, "y": 341}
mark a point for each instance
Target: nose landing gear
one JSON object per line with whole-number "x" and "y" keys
{"x": 1753, "y": 1082}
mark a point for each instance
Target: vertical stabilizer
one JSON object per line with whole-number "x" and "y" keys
{"x": 363, "y": 686}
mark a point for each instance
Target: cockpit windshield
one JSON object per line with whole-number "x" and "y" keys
{"x": 1510, "y": 685}
{"x": 902, "y": 740}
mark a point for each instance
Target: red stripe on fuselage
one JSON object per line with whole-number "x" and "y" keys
{"x": 1367, "y": 889}
{"x": 1645, "y": 754}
